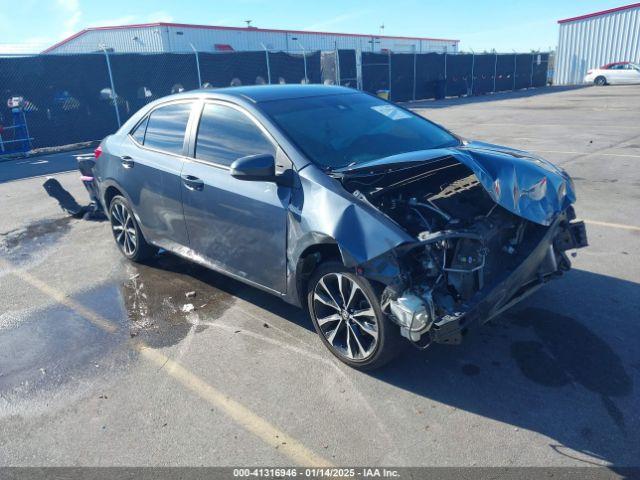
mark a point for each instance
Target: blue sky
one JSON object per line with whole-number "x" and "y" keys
{"x": 480, "y": 25}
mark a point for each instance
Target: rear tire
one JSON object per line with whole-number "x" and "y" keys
{"x": 126, "y": 231}
{"x": 600, "y": 81}
{"x": 346, "y": 313}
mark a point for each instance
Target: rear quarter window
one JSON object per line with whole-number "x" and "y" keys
{"x": 166, "y": 127}
{"x": 138, "y": 133}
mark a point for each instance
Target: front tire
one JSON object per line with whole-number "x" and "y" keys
{"x": 346, "y": 313}
{"x": 600, "y": 81}
{"x": 126, "y": 231}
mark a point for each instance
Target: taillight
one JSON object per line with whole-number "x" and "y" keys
{"x": 97, "y": 152}
{"x": 589, "y": 72}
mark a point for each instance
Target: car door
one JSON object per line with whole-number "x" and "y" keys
{"x": 238, "y": 226}
{"x": 150, "y": 173}
{"x": 630, "y": 74}
{"x": 615, "y": 74}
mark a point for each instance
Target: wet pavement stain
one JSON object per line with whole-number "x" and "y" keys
{"x": 25, "y": 241}
{"x": 142, "y": 301}
{"x": 568, "y": 352}
{"x": 45, "y": 349}
{"x": 156, "y": 302}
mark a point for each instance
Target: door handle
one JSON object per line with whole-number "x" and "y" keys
{"x": 192, "y": 183}
{"x": 127, "y": 161}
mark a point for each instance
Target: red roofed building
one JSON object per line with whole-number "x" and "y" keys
{"x": 181, "y": 38}
{"x": 595, "y": 39}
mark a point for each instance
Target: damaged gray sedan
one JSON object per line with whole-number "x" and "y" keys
{"x": 388, "y": 228}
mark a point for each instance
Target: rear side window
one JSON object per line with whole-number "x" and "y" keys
{"x": 138, "y": 133}
{"x": 226, "y": 134}
{"x": 166, "y": 127}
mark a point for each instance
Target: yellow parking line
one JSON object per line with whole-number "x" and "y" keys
{"x": 613, "y": 225}
{"x": 240, "y": 414}
{"x": 61, "y": 298}
{"x": 248, "y": 420}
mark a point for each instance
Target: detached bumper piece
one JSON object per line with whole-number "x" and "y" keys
{"x": 573, "y": 236}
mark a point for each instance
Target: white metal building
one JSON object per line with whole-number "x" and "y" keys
{"x": 593, "y": 40}
{"x": 178, "y": 38}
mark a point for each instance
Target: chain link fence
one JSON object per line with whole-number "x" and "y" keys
{"x": 52, "y": 100}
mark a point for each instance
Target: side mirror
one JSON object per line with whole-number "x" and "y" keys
{"x": 260, "y": 167}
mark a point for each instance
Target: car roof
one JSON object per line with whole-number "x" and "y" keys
{"x": 607, "y": 65}
{"x": 267, "y": 93}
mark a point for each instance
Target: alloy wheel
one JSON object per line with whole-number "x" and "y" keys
{"x": 345, "y": 316}
{"x": 124, "y": 229}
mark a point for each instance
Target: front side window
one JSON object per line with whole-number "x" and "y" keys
{"x": 336, "y": 131}
{"x": 166, "y": 127}
{"x": 226, "y": 134}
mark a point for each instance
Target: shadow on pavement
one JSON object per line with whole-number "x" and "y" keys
{"x": 566, "y": 376}
{"x": 451, "y": 102}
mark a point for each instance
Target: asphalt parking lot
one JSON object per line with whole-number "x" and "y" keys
{"x": 100, "y": 365}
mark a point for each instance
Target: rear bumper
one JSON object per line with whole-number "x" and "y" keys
{"x": 85, "y": 165}
{"x": 547, "y": 260}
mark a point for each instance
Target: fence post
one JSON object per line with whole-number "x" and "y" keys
{"x": 414, "y": 72}
{"x": 389, "y": 62}
{"x": 445, "y": 74}
{"x": 531, "y": 79}
{"x": 515, "y": 69}
{"x": 197, "y": 65}
{"x": 338, "y": 79}
{"x": 266, "y": 53}
{"x": 495, "y": 73}
{"x": 304, "y": 58}
{"x": 113, "y": 88}
{"x": 359, "y": 68}
{"x": 473, "y": 66}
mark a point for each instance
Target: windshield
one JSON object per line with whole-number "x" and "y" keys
{"x": 337, "y": 131}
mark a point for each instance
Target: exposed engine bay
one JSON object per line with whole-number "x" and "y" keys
{"x": 466, "y": 244}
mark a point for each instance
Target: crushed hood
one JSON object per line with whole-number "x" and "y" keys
{"x": 523, "y": 183}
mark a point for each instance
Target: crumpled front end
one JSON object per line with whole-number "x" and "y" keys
{"x": 489, "y": 227}
{"x": 475, "y": 286}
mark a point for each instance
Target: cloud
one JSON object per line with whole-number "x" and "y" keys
{"x": 337, "y": 20}
{"x": 160, "y": 16}
{"x": 154, "y": 17}
{"x": 110, "y": 22}
{"x": 70, "y": 9}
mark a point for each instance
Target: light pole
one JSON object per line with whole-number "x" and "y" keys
{"x": 114, "y": 96}
{"x": 197, "y": 64}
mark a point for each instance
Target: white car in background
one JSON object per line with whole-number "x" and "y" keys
{"x": 614, "y": 73}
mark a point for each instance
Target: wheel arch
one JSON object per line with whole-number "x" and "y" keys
{"x": 111, "y": 188}
{"x": 308, "y": 260}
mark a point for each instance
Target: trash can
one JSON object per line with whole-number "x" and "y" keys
{"x": 383, "y": 94}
